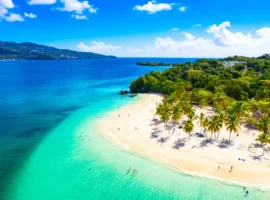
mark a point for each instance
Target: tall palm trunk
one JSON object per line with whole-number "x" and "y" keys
{"x": 173, "y": 127}
{"x": 205, "y": 134}
{"x": 218, "y": 134}
{"x": 230, "y": 136}
{"x": 168, "y": 128}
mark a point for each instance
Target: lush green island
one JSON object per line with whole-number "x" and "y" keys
{"x": 153, "y": 64}
{"x": 239, "y": 94}
{"x": 31, "y": 51}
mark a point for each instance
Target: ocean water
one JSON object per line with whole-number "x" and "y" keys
{"x": 50, "y": 147}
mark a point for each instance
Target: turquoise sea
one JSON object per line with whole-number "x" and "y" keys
{"x": 50, "y": 148}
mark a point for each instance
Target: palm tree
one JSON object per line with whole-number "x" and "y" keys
{"x": 184, "y": 108}
{"x": 205, "y": 124}
{"x": 188, "y": 126}
{"x": 221, "y": 100}
{"x": 264, "y": 125}
{"x": 201, "y": 118}
{"x": 221, "y": 121}
{"x": 253, "y": 106}
{"x": 189, "y": 110}
{"x": 263, "y": 138}
{"x": 159, "y": 109}
{"x": 179, "y": 92}
{"x": 164, "y": 113}
{"x": 238, "y": 108}
{"x": 213, "y": 125}
{"x": 171, "y": 99}
{"x": 176, "y": 115}
{"x": 232, "y": 124}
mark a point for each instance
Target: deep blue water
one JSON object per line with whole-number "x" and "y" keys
{"x": 35, "y": 96}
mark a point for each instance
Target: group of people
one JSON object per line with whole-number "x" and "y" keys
{"x": 83, "y": 136}
{"x": 245, "y": 190}
{"x": 229, "y": 171}
{"x": 134, "y": 171}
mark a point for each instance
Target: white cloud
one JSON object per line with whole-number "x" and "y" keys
{"x": 30, "y": 15}
{"x": 175, "y": 29}
{"x": 264, "y": 32}
{"x": 79, "y": 17}
{"x": 93, "y": 10}
{"x": 14, "y": 17}
{"x": 133, "y": 50}
{"x": 230, "y": 43}
{"x": 7, "y": 3}
{"x": 190, "y": 46}
{"x": 152, "y": 7}
{"x": 4, "y": 6}
{"x": 37, "y": 2}
{"x": 77, "y": 6}
{"x": 183, "y": 9}
{"x": 98, "y": 47}
{"x": 164, "y": 44}
{"x": 197, "y": 25}
{"x": 3, "y": 11}
{"x": 170, "y": 45}
{"x": 224, "y": 37}
{"x": 188, "y": 36}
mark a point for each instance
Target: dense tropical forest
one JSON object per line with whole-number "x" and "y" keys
{"x": 238, "y": 94}
{"x": 31, "y": 51}
{"x": 153, "y": 64}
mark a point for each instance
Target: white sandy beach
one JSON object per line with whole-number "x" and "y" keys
{"x": 136, "y": 126}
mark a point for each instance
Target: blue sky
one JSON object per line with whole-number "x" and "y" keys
{"x": 185, "y": 28}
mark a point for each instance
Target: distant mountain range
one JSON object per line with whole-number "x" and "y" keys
{"x": 32, "y": 51}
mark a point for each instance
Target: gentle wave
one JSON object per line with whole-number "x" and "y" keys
{"x": 126, "y": 147}
{"x": 261, "y": 187}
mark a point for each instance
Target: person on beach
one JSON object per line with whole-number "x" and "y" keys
{"x": 231, "y": 168}
{"x": 218, "y": 168}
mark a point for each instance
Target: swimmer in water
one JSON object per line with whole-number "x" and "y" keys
{"x": 129, "y": 170}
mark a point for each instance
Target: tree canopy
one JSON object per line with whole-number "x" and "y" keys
{"x": 209, "y": 81}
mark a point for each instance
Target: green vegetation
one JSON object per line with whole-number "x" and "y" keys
{"x": 238, "y": 94}
{"x": 153, "y": 64}
{"x": 31, "y": 51}
{"x": 133, "y": 95}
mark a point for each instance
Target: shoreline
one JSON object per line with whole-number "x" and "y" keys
{"x": 202, "y": 163}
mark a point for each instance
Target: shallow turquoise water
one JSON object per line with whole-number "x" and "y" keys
{"x": 72, "y": 161}
{"x": 67, "y": 166}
